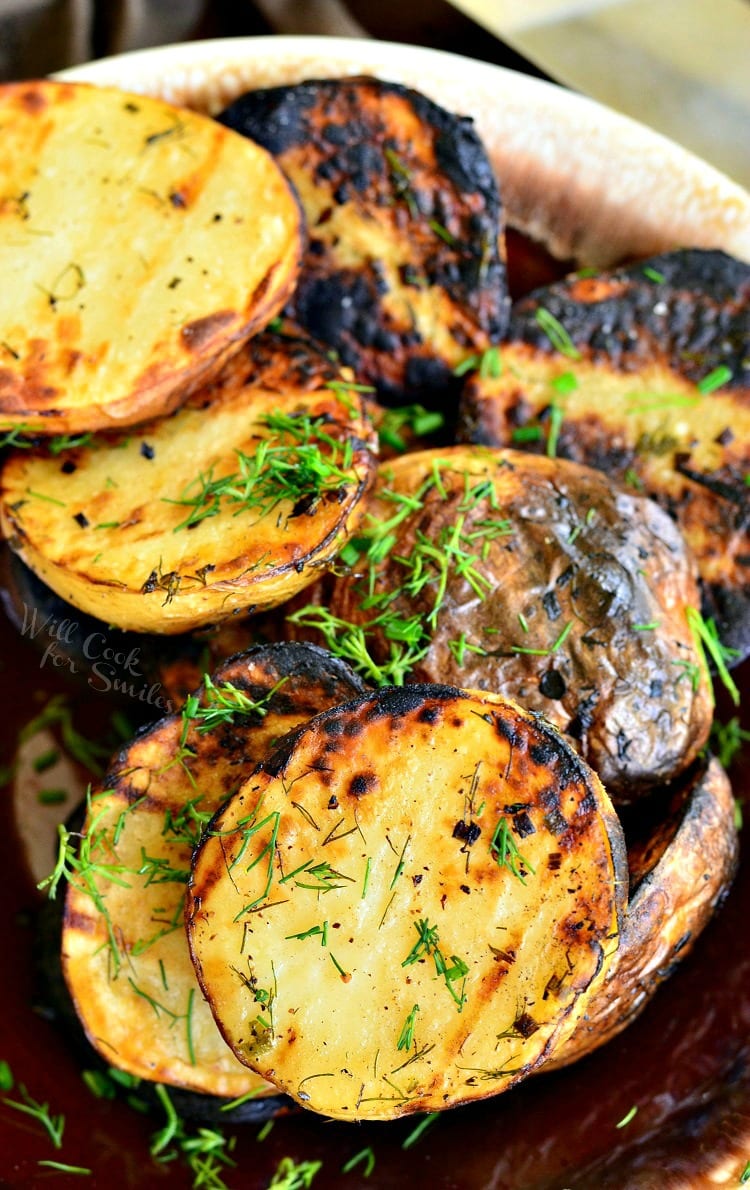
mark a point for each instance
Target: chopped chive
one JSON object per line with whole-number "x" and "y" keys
{"x": 420, "y": 1129}
{"x": 526, "y": 434}
{"x": 556, "y": 333}
{"x": 565, "y": 384}
{"x": 364, "y": 1156}
{"x": 49, "y": 499}
{"x": 653, "y": 275}
{"x": 63, "y": 1168}
{"x": 562, "y": 637}
{"x": 46, "y": 760}
{"x": 623, "y": 1123}
{"x": 51, "y": 797}
{"x": 715, "y": 379}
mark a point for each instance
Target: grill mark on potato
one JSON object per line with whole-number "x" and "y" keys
{"x": 384, "y": 860}
{"x": 402, "y": 273}
{"x": 146, "y": 791}
{"x": 648, "y": 337}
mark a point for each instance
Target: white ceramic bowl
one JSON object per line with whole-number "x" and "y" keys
{"x": 583, "y": 180}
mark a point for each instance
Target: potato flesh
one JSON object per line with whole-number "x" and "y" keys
{"x": 130, "y": 275}
{"x": 128, "y": 561}
{"x": 380, "y": 791}
{"x": 609, "y": 413}
{"x": 138, "y": 1000}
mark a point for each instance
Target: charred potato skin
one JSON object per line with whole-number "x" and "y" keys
{"x": 402, "y": 206}
{"x": 661, "y": 326}
{"x": 561, "y": 795}
{"x": 144, "y": 790}
{"x": 581, "y": 558}
{"x": 110, "y": 546}
{"x": 679, "y": 874}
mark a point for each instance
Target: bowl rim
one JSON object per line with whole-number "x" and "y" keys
{"x": 556, "y": 151}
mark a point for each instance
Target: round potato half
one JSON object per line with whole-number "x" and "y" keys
{"x": 230, "y": 505}
{"x": 536, "y": 578}
{"x": 125, "y": 955}
{"x": 140, "y": 244}
{"x": 680, "y": 870}
{"x": 409, "y": 906}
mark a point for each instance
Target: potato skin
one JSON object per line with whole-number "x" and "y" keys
{"x": 580, "y": 614}
{"x": 679, "y": 873}
{"x": 105, "y": 524}
{"x": 140, "y": 819}
{"x": 314, "y": 887}
{"x": 404, "y": 272}
{"x": 642, "y": 341}
{"x": 177, "y": 241}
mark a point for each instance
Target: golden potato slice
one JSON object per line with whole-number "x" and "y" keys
{"x": 140, "y": 244}
{"x": 681, "y": 868}
{"x": 404, "y": 272}
{"x": 125, "y": 956}
{"x": 409, "y": 905}
{"x": 644, "y": 373}
{"x": 536, "y": 578}
{"x": 230, "y": 505}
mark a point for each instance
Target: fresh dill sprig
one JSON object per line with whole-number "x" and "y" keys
{"x": 504, "y": 850}
{"x": 706, "y": 640}
{"x": 297, "y": 460}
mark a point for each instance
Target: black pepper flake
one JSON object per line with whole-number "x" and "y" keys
{"x": 417, "y": 879}
{"x": 333, "y": 802}
{"x": 554, "y": 861}
{"x": 525, "y": 1025}
{"x": 147, "y": 451}
{"x": 725, "y": 437}
{"x": 468, "y": 831}
{"x": 68, "y": 467}
{"x": 523, "y": 826}
{"x": 464, "y": 888}
{"x": 81, "y": 519}
{"x": 178, "y": 200}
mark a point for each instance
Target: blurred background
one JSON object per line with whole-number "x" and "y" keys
{"x": 681, "y": 66}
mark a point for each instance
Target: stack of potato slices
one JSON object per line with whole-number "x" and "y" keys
{"x": 387, "y": 875}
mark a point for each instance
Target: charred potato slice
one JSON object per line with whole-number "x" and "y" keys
{"x": 409, "y": 905}
{"x": 231, "y": 505}
{"x": 131, "y": 275}
{"x": 404, "y": 272}
{"x": 125, "y": 955}
{"x": 679, "y": 872}
{"x": 535, "y": 578}
{"x": 643, "y": 372}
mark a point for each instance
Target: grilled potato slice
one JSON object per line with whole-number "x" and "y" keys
{"x": 140, "y": 245}
{"x": 643, "y": 372}
{"x": 404, "y": 272}
{"x": 231, "y": 505}
{"x": 680, "y": 869}
{"x": 533, "y": 577}
{"x": 409, "y": 905}
{"x": 125, "y": 956}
